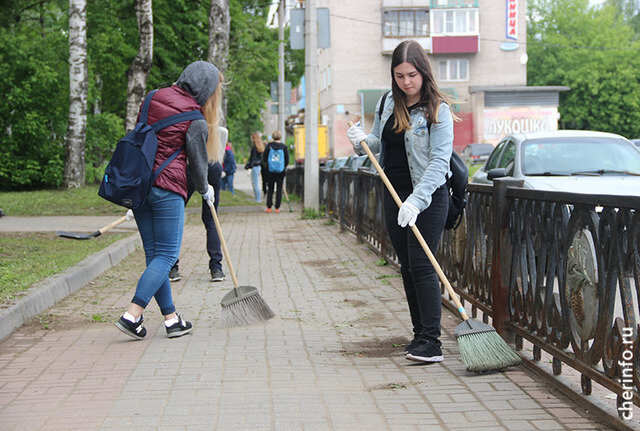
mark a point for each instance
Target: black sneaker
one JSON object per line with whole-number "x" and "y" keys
{"x": 180, "y": 328}
{"x": 133, "y": 330}
{"x": 174, "y": 274}
{"x": 412, "y": 345}
{"x": 217, "y": 275}
{"x": 426, "y": 351}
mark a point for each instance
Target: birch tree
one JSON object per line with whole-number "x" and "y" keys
{"x": 78, "y": 83}
{"x": 141, "y": 65}
{"x": 219, "y": 27}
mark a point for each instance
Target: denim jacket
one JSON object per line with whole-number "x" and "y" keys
{"x": 428, "y": 151}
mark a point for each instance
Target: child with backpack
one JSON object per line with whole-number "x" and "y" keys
{"x": 276, "y": 158}
{"x": 160, "y": 212}
{"x": 413, "y": 131}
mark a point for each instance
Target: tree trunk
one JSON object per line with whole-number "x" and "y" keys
{"x": 219, "y": 26}
{"x": 78, "y": 84}
{"x": 141, "y": 65}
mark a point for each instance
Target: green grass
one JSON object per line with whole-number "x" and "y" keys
{"x": 226, "y": 199}
{"x": 85, "y": 201}
{"x": 58, "y": 202}
{"x": 26, "y": 258}
{"x": 311, "y": 214}
{"x": 474, "y": 168}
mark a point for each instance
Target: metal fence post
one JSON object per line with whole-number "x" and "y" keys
{"x": 501, "y": 254}
{"x": 341, "y": 198}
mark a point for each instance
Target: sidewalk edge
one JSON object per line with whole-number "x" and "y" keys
{"x": 52, "y": 289}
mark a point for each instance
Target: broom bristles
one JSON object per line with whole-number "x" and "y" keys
{"x": 486, "y": 351}
{"x": 248, "y": 311}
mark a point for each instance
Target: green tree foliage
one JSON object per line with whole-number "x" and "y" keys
{"x": 34, "y": 76}
{"x": 253, "y": 64}
{"x": 34, "y": 87}
{"x": 592, "y": 50}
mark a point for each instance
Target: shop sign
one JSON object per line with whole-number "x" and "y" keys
{"x": 512, "y": 19}
{"x": 500, "y": 122}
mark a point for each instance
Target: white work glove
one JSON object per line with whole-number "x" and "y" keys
{"x": 356, "y": 135}
{"x": 223, "y": 174}
{"x": 209, "y": 196}
{"x": 129, "y": 215}
{"x": 407, "y": 214}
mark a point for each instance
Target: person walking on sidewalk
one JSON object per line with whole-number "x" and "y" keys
{"x": 254, "y": 162}
{"x": 276, "y": 158}
{"x": 214, "y": 249}
{"x": 263, "y": 171}
{"x": 229, "y": 168}
{"x": 414, "y": 135}
{"x": 160, "y": 218}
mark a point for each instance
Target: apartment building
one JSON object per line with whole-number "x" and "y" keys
{"x": 477, "y": 51}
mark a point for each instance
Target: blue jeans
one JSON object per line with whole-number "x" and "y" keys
{"x": 255, "y": 181}
{"x": 160, "y": 221}
{"x": 227, "y": 183}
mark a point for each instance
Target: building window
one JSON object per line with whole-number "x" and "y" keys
{"x": 454, "y": 70}
{"x": 406, "y": 23}
{"x": 455, "y": 22}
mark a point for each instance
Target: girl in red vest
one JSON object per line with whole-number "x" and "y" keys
{"x": 160, "y": 219}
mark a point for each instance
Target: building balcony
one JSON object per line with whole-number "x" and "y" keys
{"x": 390, "y": 43}
{"x": 454, "y": 44}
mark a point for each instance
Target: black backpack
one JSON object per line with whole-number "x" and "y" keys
{"x": 456, "y": 183}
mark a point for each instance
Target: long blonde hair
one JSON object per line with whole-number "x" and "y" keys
{"x": 212, "y": 111}
{"x": 256, "y": 138}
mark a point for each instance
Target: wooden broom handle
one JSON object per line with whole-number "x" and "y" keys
{"x": 113, "y": 224}
{"x": 423, "y": 243}
{"x": 225, "y": 251}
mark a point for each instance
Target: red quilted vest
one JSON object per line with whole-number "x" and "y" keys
{"x": 166, "y": 102}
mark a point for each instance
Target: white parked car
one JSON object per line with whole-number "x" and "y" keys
{"x": 572, "y": 161}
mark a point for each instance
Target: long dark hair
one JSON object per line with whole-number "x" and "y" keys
{"x": 411, "y": 52}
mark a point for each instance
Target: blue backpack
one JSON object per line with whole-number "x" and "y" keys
{"x": 276, "y": 161}
{"x": 129, "y": 175}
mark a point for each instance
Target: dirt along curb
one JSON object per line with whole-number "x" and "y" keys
{"x": 52, "y": 289}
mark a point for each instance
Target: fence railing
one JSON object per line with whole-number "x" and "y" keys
{"x": 559, "y": 270}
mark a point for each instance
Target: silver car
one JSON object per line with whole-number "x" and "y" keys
{"x": 572, "y": 161}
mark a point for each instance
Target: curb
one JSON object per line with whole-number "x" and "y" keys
{"x": 47, "y": 292}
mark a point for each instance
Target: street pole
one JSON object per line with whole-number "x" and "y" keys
{"x": 282, "y": 102}
{"x": 311, "y": 170}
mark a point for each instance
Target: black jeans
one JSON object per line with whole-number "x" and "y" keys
{"x": 274, "y": 179}
{"x": 419, "y": 277}
{"x": 213, "y": 241}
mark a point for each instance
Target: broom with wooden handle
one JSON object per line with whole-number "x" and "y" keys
{"x": 242, "y": 305}
{"x": 482, "y": 349}
{"x": 81, "y": 235}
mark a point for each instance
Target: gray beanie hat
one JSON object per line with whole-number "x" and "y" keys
{"x": 200, "y": 79}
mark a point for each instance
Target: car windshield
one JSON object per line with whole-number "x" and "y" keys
{"x": 481, "y": 149}
{"x": 579, "y": 156}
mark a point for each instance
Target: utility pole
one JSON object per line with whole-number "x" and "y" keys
{"x": 311, "y": 169}
{"x": 282, "y": 102}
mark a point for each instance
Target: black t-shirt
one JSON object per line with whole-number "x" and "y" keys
{"x": 396, "y": 165}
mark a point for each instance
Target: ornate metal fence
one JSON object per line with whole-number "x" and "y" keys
{"x": 559, "y": 270}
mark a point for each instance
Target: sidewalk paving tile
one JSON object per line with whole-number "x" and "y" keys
{"x": 330, "y": 359}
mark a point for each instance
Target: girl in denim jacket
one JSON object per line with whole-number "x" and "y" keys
{"x": 414, "y": 136}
